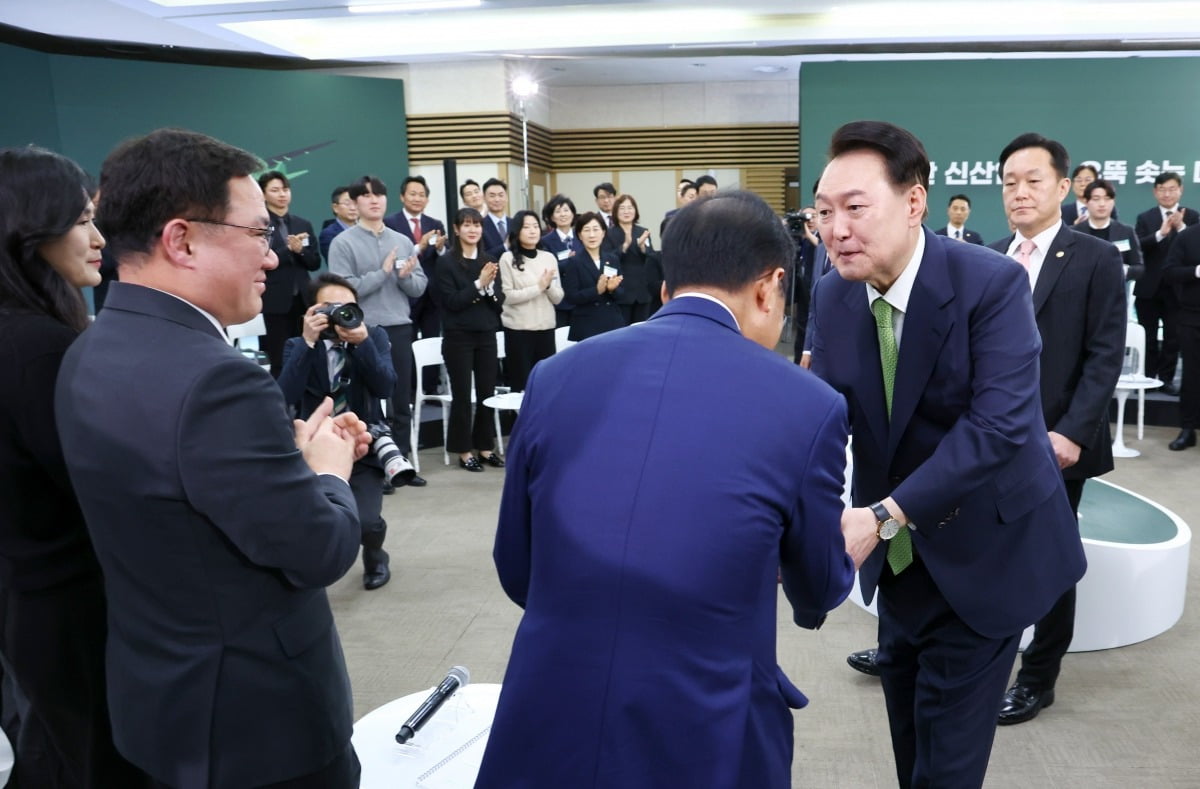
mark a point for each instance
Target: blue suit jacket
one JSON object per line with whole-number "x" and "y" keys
{"x": 217, "y": 542}
{"x": 646, "y": 562}
{"x": 965, "y": 455}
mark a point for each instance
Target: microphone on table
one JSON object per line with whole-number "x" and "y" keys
{"x": 456, "y": 678}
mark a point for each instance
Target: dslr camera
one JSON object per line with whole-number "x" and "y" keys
{"x": 348, "y": 316}
{"x": 396, "y": 467}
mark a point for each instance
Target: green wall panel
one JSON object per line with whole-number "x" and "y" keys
{"x": 1139, "y": 111}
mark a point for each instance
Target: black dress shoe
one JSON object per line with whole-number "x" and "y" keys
{"x": 1023, "y": 703}
{"x": 388, "y": 487}
{"x": 1168, "y": 389}
{"x": 493, "y": 460}
{"x": 1185, "y": 439}
{"x": 373, "y": 579}
{"x": 417, "y": 482}
{"x": 866, "y": 661}
{"x": 471, "y": 464}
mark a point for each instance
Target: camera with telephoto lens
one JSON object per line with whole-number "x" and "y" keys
{"x": 396, "y": 467}
{"x": 348, "y": 316}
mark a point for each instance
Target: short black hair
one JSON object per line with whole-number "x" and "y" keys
{"x": 273, "y": 175}
{"x": 337, "y": 193}
{"x": 903, "y": 154}
{"x": 514, "y": 230}
{"x": 466, "y": 183}
{"x": 1169, "y": 175}
{"x": 1099, "y": 183}
{"x": 1081, "y": 168}
{"x": 367, "y": 184}
{"x": 323, "y": 278}
{"x": 489, "y": 183}
{"x": 684, "y": 188}
{"x": 42, "y": 195}
{"x": 964, "y": 198}
{"x": 726, "y": 241}
{"x": 605, "y": 186}
{"x": 414, "y": 179}
{"x": 588, "y": 216}
{"x": 552, "y": 205}
{"x": 706, "y": 180}
{"x": 1058, "y": 152}
{"x": 167, "y": 174}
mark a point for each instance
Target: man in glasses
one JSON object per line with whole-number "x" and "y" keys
{"x": 345, "y": 214}
{"x": 217, "y": 522}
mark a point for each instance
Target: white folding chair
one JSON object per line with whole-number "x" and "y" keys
{"x": 428, "y": 353}
{"x": 1135, "y": 363}
{"x": 560, "y": 338}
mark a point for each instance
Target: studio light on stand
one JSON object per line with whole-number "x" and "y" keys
{"x": 525, "y": 88}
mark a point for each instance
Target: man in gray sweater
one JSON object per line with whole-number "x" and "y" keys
{"x": 381, "y": 264}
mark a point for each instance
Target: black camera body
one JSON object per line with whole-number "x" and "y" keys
{"x": 348, "y": 316}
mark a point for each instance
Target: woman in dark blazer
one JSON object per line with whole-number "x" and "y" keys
{"x": 639, "y": 261}
{"x": 52, "y": 602}
{"x": 559, "y": 215}
{"x": 593, "y": 282}
{"x": 470, "y": 297}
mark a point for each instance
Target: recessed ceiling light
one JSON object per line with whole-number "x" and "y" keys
{"x": 770, "y": 69}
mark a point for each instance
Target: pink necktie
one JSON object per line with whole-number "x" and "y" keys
{"x": 1024, "y": 252}
{"x": 417, "y": 229}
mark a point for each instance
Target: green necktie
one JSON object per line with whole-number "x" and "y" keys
{"x": 899, "y": 554}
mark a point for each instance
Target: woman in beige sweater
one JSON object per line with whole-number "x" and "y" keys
{"x": 529, "y": 279}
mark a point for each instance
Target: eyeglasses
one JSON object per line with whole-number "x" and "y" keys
{"x": 263, "y": 234}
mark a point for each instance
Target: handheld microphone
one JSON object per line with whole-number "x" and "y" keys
{"x": 456, "y": 678}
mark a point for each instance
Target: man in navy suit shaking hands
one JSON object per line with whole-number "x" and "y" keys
{"x": 960, "y": 518}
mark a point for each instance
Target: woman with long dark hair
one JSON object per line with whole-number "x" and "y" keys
{"x": 532, "y": 288}
{"x": 51, "y": 589}
{"x": 470, "y": 295}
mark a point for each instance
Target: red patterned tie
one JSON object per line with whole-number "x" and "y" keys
{"x": 417, "y": 229}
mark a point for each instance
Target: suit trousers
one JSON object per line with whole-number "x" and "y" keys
{"x": 344, "y": 772}
{"x": 1189, "y": 390}
{"x": 522, "y": 350}
{"x": 943, "y": 683}
{"x": 280, "y": 328}
{"x": 366, "y": 483}
{"x": 53, "y": 642}
{"x": 401, "y": 339}
{"x": 1160, "y": 357}
{"x": 1042, "y": 659}
{"x": 466, "y": 353}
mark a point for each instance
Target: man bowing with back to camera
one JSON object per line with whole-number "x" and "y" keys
{"x": 646, "y": 564}
{"x": 959, "y": 505}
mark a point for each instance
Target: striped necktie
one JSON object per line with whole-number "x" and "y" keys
{"x": 338, "y": 387}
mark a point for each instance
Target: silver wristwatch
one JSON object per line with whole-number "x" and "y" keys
{"x": 886, "y": 526}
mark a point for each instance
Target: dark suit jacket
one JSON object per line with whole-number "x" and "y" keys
{"x": 399, "y": 222}
{"x": 969, "y": 235}
{"x": 1180, "y": 273}
{"x": 656, "y": 602}
{"x": 217, "y": 542}
{"x": 1079, "y": 304}
{"x": 554, "y": 245}
{"x": 1118, "y": 234}
{"x": 1154, "y": 252}
{"x": 493, "y": 242}
{"x": 304, "y": 377}
{"x": 1070, "y": 212}
{"x": 965, "y": 453}
{"x": 291, "y": 275}
{"x": 593, "y": 313}
{"x": 640, "y": 269}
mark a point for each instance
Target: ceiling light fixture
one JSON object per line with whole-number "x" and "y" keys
{"x": 415, "y": 5}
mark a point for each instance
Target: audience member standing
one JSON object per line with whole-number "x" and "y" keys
{"x": 639, "y": 261}
{"x": 218, "y": 523}
{"x": 958, "y": 210}
{"x": 1100, "y": 221}
{"x": 605, "y": 193}
{"x": 1153, "y": 299}
{"x": 381, "y": 265}
{"x": 685, "y": 194}
{"x": 471, "y": 296}
{"x": 352, "y": 367}
{"x": 345, "y": 214}
{"x": 52, "y": 601}
{"x": 495, "y": 225}
{"x": 472, "y": 195}
{"x": 592, "y": 282}
{"x": 706, "y": 186}
{"x": 559, "y": 240}
{"x": 531, "y": 289}
{"x": 294, "y": 243}
{"x": 1182, "y": 272}
{"x": 429, "y": 237}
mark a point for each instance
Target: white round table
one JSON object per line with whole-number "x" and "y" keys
{"x": 509, "y": 401}
{"x": 444, "y": 754}
{"x": 1126, "y": 384}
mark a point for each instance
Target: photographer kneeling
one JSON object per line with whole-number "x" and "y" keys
{"x": 337, "y": 356}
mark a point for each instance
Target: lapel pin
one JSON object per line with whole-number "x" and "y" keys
{"x": 1060, "y": 254}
